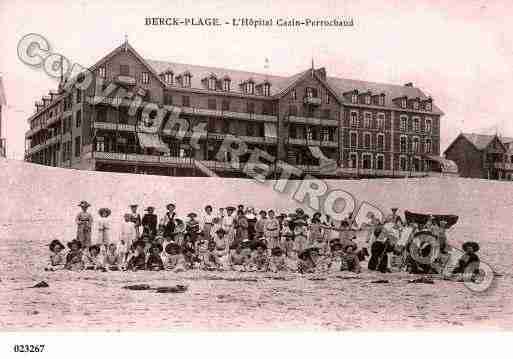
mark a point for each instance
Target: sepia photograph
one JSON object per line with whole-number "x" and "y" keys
{"x": 338, "y": 168}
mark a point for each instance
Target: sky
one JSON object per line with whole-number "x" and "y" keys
{"x": 460, "y": 54}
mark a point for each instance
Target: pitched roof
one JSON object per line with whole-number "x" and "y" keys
{"x": 391, "y": 91}
{"x": 482, "y": 141}
{"x": 198, "y": 73}
{"x": 279, "y": 84}
{"x": 3, "y": 101}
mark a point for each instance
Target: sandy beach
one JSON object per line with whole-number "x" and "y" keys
{"x": 39, "y": 204}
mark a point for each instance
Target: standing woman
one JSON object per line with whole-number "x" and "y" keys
{"x": 135, "y": 218}
{"x": 252, "y": 219}
{"x": 207, "y": 222}
{"x": 168, "y": 220}
{"x": 149, "y": 223}
{"x": 242, "y": 227}
{"x": 104, "y": 229}
{"x": 84, "y": 222}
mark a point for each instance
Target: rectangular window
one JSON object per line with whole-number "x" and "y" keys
{"x": 267, "y": 108}
{"x": 267, "y": 89}
{"x": 380, "y": 162}
{"x": 78, "y": 119}
{"x": 428, "y": 125}
{"x": 403, "y": 103}
{"x": 415, "y": 144}
{"x": 250, "y": 107}
{"x": 367, "y": 99}
{"x": 212, "y": 104}
{"x": 380, "y": 144}
{"x": 327, "y": 99}
{"x": 354, "y": 98}
{"x": 382, "y": 100}
{"x": 212, "y": 83}
{"x": 416, "y": 124}
{"x": 428, "y": 106}
{"x": 124, "y": 70}
{"x": 403, "y": 124}
{"x": 353, "y": 140}
{"x": 77, "y": 146}
{"x": 367, "y": 161}
{"x": 294, "y": 95}
{"x": 186, "y": 101}
{"x": 367, "y": 120}
{"x": 102, "y": 72}
{"x": 168, "y": 78}
{"x": 427, "y": 147}
{"x": 225, "y": 105}
{"x": 354, "y": 119}
{"x": 353, "y": 160}
{"x": 381, "y": 121}
{"x": 250, "y": 129}
{"x": 404, "y": 144}
{"x": 145, "y": 78}
{"x": 186, "y": 80}
{"x": 367, "y": 140}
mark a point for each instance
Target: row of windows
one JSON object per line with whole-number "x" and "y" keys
{"x": 313, "y": 133}
{"x": 367, "y": 120}
{"x": 415, "y": 124}
{"x": 225, "y": 105}
{"x": 415, "y": 146}
{"x": 367, "y": 141}
{"x": 368, "y": 99}
{"x": 367, "y": 161}
{"x": 65, "y": 105}
{"x": 311, "y": 92}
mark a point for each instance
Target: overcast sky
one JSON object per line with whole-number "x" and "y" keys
{"x": 461, "y": 55}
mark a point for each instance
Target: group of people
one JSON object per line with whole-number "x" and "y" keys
{"x": 238, "y": 238}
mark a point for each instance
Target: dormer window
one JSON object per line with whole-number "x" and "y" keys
{"x": 354, "y": 98}
{"x": 415, "y": 105}
{"x": 267, "y": 89}
{"x": 226, "y": 84}
{"x": 212, "y": 83}
{"x": 310, "y": 92}
{"x": 145, "y": 78}
{"x": 403, "y": 103}
{"x": 102, "y": 72}
{"x": 381, "y": 100}
{"x": 250, "y": 87}
{"x": 168, "y": 78}
{"x": 427, "y": 106}
{"x": 327, "y": 98}
{"x": 294, "y": 94}
{"x": 186, "y": 82}
{"x": 367, "y": 99}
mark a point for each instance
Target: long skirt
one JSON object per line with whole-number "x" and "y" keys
{"x": 84, "y": 235}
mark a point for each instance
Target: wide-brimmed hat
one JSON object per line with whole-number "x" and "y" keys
{"x": 104, "y": 212}
{"x": 75, "y": 241}
{"x": 150, "y": 208}
{"x": 170, "y": 205}
{"x": 192, "y": 215}
{"x": 220, "y": 230}
{"x": 473, "y": 245}
{"x": 156, "y": 245}
{"x": 230, "y": 208}
{"x": 94, "y": 246}
{"x": 394, "y": 209}
{"x": 300, "y": 210}
{"x": 54, "y": 243}
{"x": 300, "y": 222}
{"x": 133, "y": 205}
{"x": 262, "y": 212}
{"x": 317, "y": 214}
{"x": 172, "y": 247}
{"x": 276, "y": 251}
{"x": 84, "y": 204}
{"x": 208, "y": 206}
{"x": 306, "y": 253}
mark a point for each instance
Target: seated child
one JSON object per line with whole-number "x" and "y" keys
{"x": 277, "y": 262}
{"x": 336, "y": 252}
{"x": 191, "y": 259}
{"x": 468, "y": 264}
{"x": 238, "y": 259}
{"x": 300, "y": 236}
{"x": 179, "y": 232}
{"x": 192, "y": 227}
{"x": 174, "y": 259}
{"x": 113, "y": 260}
{"x": 93, "y": 259}
{"x": 308, "y": 260}
{"x": 216, "y": 224}
{"x": 124, "y": 250}
{"x": 222, "y": 246}
{"x": 137, "y": 260}
{"x": 154, "y": 261}
{"x": 211, "y": 261}
{"x": 159, "y": 238}
{"x": 74, "y": 259}
{"x": 350, "y": 261}
{"x": 57, "y": 258}
{"x": 260, "y": 260}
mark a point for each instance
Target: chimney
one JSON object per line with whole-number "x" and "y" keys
{"x": 321, "y": 73}
{"x": 408, "y": 84}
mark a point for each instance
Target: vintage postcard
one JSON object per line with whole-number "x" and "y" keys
{"x": 271, "y": 166}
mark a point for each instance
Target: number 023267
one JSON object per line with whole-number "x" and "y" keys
{"x": 29, "y": 348}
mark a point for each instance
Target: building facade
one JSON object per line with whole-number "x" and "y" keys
{"x": 130, "y": 114}
{"x": 482, "y": 156}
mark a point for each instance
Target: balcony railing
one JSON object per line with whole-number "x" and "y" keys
{"x": 313, "y": 121}
{"x": 503, "y": 166}
{"x": 152, "y": 159}
{"x": 316, "y": 101}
